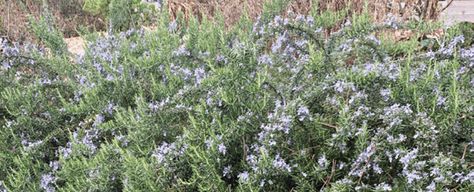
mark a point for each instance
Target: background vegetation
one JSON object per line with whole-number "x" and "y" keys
{"x": 73, "y": 16}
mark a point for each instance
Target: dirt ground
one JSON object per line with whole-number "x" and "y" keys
{"x": 75, "y": 45}
{"x": 68, "y": 16}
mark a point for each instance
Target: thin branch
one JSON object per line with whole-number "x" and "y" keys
{"x": 311, "y": 35}
{"x": 276, "y": 92}
{"x": 464, "y": 152}
{"x": 445, "y": 7}
{"x": 333, "y": 170}
{"x": 8, "y": 17}
{"x": 425, "y": 9}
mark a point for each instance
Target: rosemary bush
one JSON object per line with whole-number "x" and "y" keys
{"x": 275, "y": 105}
{"x": 121, "y": 14}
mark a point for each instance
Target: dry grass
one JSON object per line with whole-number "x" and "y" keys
{"x": 233, "y": 9}
{"x": 69, "y": 14}
{"x": 379, "y": 10}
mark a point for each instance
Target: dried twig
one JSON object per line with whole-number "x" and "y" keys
{"x": 333, "y": 171}
{"x": 8, "y": 16}
{"x": 464, "y": 152}
{"x": 447, "y": 5}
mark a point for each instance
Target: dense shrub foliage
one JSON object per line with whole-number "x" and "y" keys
{"x": 122, "y": 14}
{"x": 277, "y": 105}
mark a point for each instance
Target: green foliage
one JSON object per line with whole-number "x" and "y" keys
{"x": 119, "y": 14}
{"x": 2, "y": 30}
{"x": 466, "y": 29}
{"x": 98, "y": 7}
{"x": 45, "y": 30}
{"x": 272, "y": 106}
{"x": 122, "y": 14}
